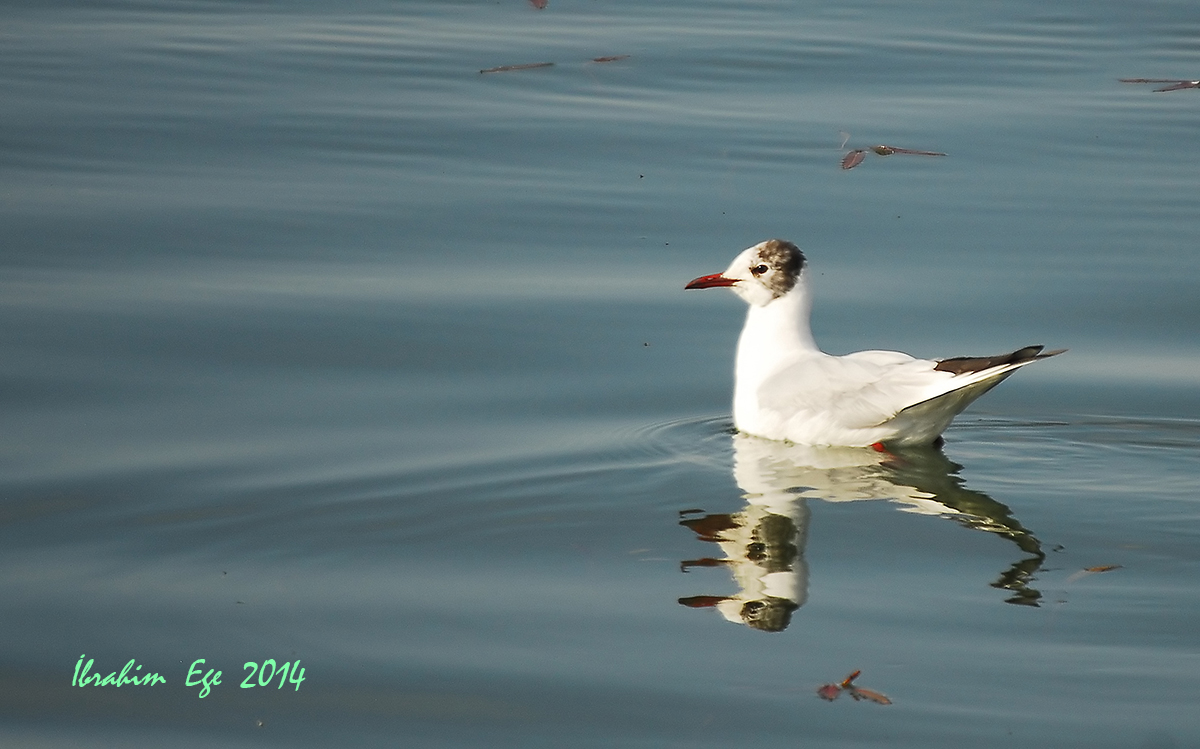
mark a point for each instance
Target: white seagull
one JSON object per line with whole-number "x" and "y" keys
{"x": 788, "y": 389}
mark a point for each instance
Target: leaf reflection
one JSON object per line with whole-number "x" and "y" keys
{"x": 763, "y": 543}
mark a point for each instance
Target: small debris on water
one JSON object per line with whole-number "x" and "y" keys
{"x": 525, "y": 66}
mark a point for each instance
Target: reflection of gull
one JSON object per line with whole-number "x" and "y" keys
{"x": 764, "y": 543}
{"x": 764, "y": 551}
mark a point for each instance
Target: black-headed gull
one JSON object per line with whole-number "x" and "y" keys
{"x": 788, "y": 389}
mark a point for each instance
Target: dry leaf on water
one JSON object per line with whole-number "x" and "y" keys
{"x": 856, "y": 156}
{"x": 861, "y": 693}
{"x": 830, "y": 692}
{"x": 1092, "y": 571}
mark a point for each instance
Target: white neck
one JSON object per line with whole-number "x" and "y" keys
{"x": 774, "y": 336}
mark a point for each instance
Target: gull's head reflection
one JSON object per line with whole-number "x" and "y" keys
{"x": 763, "y": 543}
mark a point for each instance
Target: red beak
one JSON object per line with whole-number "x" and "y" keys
{"x": 710, "y": 282}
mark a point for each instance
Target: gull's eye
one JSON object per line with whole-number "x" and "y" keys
{"x": 758, "y": 270}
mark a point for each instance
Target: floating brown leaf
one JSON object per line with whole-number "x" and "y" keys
{"x": 1091, "y": 571}
{"x": 854, "y": 158}
{"x": 862, "y": 693}
{"x": 610, "y": 58}
{"x": 830, "y": 692}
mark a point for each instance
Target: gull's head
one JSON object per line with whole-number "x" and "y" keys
{"x": 760, "y": 274}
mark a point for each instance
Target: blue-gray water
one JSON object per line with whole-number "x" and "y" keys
{"x": 318, "y": 344}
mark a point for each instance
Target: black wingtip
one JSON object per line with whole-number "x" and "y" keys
{"x": 965, "y": 364}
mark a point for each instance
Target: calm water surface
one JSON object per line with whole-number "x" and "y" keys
{"x": 320, "y": 346}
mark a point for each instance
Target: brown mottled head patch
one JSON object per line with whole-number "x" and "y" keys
{"x": 786, "y": 260}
